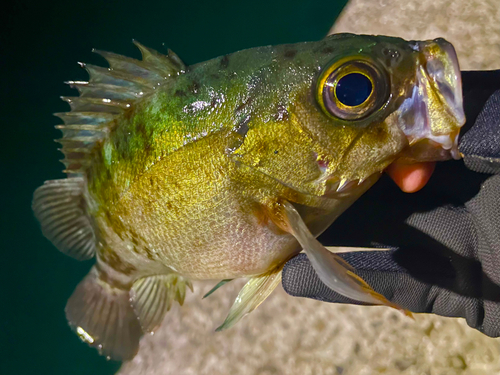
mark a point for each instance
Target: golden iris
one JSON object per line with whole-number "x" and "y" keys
{"x": 352, "y": 89}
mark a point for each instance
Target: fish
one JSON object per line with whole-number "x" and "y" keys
{"x": 229, "y": 168}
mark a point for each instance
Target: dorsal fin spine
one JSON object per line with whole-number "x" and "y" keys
{"x": 109, "y": 93}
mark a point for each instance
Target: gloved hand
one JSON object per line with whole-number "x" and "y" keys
{"x": 445, "y": 239}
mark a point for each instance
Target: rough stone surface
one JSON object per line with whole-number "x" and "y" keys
{"x": 472, "y": 26}
{"x": 288, "y": 335}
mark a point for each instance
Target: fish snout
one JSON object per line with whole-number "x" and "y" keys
{"x": 444, "y": 71}
{"x": 432, "y": 114}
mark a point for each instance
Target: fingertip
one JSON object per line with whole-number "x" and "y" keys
{"x": 411, "y": 177}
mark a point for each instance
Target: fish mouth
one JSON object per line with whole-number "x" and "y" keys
{"x": 432, "y": 114}
{"x": 339, "y": 188}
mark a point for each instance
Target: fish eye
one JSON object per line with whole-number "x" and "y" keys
{"x": 352, "y": 89}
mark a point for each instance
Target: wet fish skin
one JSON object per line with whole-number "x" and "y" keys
{"x": 181, "y": 173}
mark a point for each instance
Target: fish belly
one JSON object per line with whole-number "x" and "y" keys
{"x": 223, "y": 237}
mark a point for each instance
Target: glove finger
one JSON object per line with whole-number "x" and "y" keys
{"x": 391, "y": 280}
{"x": 481, "y": 144}
{"x": 299, "y": 279}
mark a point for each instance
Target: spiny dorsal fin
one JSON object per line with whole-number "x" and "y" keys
{"x": 59, "y": 206}
{"x": 106, "y": 96}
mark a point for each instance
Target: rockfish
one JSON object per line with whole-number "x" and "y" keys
{"x": 230, "y": 167}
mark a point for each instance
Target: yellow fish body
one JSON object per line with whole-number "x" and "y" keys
{"x": 229, "y": 168}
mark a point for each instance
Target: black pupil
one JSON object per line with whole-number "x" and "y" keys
{"x": 353, "y": 89}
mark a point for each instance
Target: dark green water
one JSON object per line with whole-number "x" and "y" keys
{"x": 40, "y": 43}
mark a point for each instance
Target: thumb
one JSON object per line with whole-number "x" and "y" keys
{"x": 411, "y": 177}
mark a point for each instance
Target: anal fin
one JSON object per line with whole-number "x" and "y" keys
{"x": 60, "y": 207}
{"x": 102, "y": 316}
{"x": 152, "y": 297}
{"x": 255, "y": 291}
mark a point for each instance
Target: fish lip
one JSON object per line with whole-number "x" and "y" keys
{"x": 433, "y": 110}
{"x": 447, "y": 80}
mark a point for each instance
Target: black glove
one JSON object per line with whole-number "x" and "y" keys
{"x": 445, "y": 238}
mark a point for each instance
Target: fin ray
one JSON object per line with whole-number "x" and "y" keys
{"x": 105, "y": 91}
{"x": 102, "y": 316}
{"x": 152, "y": 297}
{"x": 86, "y": 104}
{"x": 253, "y": 293}
{"x": 168, "y": 65}
{"x": 60, "y": 208}
{"x": 131, "y": 66}
{"x": 348, "y": 249}
{"x": 113, "y": 77}
{"x": 84, "y": 118}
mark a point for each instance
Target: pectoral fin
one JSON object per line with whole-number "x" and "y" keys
{"x": 255, "y": 291}
{"x": 333, "y": 271}
{"x": 59, "y": 205}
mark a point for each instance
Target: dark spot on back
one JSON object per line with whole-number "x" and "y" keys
{"x": 179, "y": 93}
{"x": 327, "y": 50}
{"x": 140, "y": 127}
{"x": 242, "y": 127}
{"x": 214, "y": 76}
{"x": 195, "y": 86}
{"x": 240, "y": 130}
{"x": 224, "y": 61}
{"x": 281, "y": 113}
{"x": 290, "y": 54}
{"x": 242, "y": 106}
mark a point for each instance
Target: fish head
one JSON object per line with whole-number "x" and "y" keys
{"x": 378, "y": 99}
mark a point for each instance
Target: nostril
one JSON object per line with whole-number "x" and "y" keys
{"x": 442, "y": 42}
